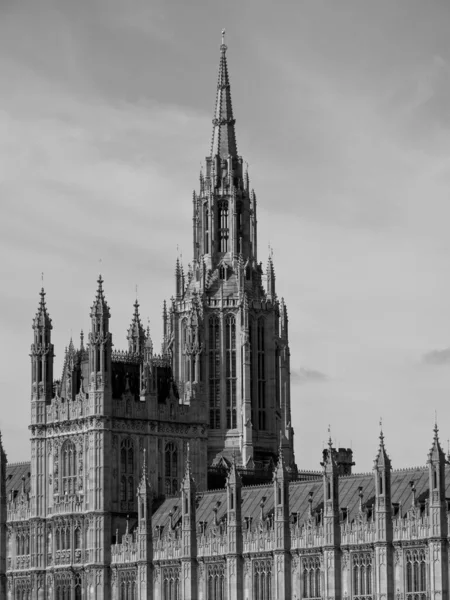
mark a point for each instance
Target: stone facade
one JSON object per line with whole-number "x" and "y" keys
{"x": 127, "y": 446}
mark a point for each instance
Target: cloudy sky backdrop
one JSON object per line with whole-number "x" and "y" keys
{"x": 343, "y": 113}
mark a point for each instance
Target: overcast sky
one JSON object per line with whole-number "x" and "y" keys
{"x": 343, "y": 114}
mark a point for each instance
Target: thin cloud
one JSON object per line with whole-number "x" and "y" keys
{"x": 437, "y": 357}
{"x": 304, "y": 375}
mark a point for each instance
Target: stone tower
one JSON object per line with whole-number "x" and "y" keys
{"x": 226, "y": 330}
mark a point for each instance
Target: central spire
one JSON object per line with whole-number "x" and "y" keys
{"x": 224, "y": 136}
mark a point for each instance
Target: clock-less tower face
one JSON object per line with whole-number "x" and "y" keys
{"x": 226, "y": 329}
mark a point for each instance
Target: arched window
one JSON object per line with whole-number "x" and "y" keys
{"x": 216, "y": 581}
{"x": 171, "y": 471}
{"x": 184, "y": 370}
{"x": 77, "y": 586}
{"x": 214, "y": 372}
{"x": 362, "y": 575}
{"x": 261, "y": 375}
{"x": 223, "y": 226}
{"x": 127, "y": 482}
{"x": 231, "y": 371}
{"x": 77, "y": 538}
{"x": 206, "y": 230}
{"x": 311, "y": 577}
{"x": 262, "y": 579}
{"x": 130, "y": 487}
{"x": 416, "y": 574}
{"x": 69, "y": 468}
{"x": 171, "y": 583}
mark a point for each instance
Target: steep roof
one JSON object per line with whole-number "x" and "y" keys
{"x": 14, "y": 474}
{"x": 300, "y": 493}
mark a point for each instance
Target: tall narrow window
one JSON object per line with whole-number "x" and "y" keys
{"x": 127, "y": 481}
{"x": 171, "y": 583}
{"x": 171, "y": 470}
{"x": 206, "y": 230}
{"x": 277, "y": 378}
{"x": 262, "y": 579}
{"x": 362, "y": 575}
{"x": 223, "y": 226}
{"x": 261, "y": 377}
{"x": 216, "y": 581}
{"x": 311, "y": 577}
{"x": 184, "y": 367}
{"x": 214, "y": 373}
{"x": 69, "y": 468}
{"x": 231, "y": 371}
{"x": 251, "y": 330}
{"x": 416, "y": 574}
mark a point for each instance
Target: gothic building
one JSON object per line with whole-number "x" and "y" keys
{"x": 221, "y": 511}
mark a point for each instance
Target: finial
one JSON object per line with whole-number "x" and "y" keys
{"x": 223, "y": 46}
{"x": 381, "y": 432}
{"x": 188, "y": 460}
{"x": 42, "y": 278}
{"x": 144, "y": 465}
{"x": 128, "y": 516}
{"x": 330, "y": 441}
{"x": 136, "y": 293}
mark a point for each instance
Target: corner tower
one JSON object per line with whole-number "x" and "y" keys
{"x": 226, "y": 334}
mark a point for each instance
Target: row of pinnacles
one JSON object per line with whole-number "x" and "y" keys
{"x": 260, "y": 541}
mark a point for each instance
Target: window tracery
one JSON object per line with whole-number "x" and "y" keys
{"x": 262, "y": 579}
{"x": 23, "y": 589}
{"x": 216, "y": 581}
{"x": 171, "y": 583}
{"x": 311, "y": 577}
{"x": 214, "y": 372}
{"x": 261, "y": 375}
{"x": 68, "y": 468}
{"x": 127, "y": 585}
{"x": 223, "y": 226}
{"x": 171, "y": 468}
{"x": 127, "y": 482}
{"x": 63, "y": 586}
{"x": 231, "y": 371}
{"x": 416, "y": 574}
{"x": 362, "y": 575}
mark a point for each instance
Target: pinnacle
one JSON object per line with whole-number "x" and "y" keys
{"x": 382, "y": 459}
{"x": 100, "y": 306}
{"x": 224, "y": 136}
{"x": 42, "y": 318}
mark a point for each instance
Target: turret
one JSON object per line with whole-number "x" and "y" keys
{"x": 100, "y": 345}
{"x": 72, "y": 373}
{"x": 178, "y": 280}
{"x": 383, "y": 521}
{"x": 136, "y": 333}
{"x": 437, "y": 543}
{"x": 189, "y": 534}
{"x": 270, "y": 280}
{"x": 331, "y": 525}
{"x": 42, "y": 357}
{"x": 436, "y": 470}
{"x": 383, "y": 506}
{"x": 144, "y": 533}
{"x": 234, "y": 531}
{"x": 282, "y": 527}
